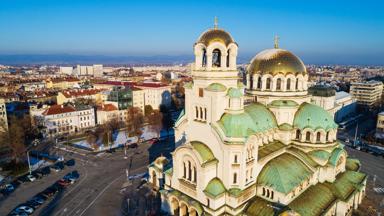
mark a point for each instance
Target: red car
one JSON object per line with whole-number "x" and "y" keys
{"x": 63, "y": 182}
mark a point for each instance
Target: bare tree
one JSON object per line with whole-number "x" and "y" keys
{"x": 155, "y": 121}
{"x": 16, "y": 138}
{"x": 135, "y": 122}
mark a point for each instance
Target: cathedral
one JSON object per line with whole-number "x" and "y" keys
{"x": 263, "y": 148}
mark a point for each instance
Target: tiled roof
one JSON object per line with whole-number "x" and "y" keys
{"x": 81, "y": 92}
{"x": 107, "y": 107}
{"x": 59, "y": 109}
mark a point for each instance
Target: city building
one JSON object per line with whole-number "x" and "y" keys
{"x": 346, "y": 106}
{"x": 106, "y": 112}
{"x": 367, "y": 93}
{"x": 3, "y": 116}
{"x": 277, "y": 155}
{"x": 380, "y": 126}
{"x": 62, "y": 83}
{"x": 67, "y": 119}
{"x": 66, "y": 70}
{"x": 94, "y": 70}
{"x": 71, "y": 95}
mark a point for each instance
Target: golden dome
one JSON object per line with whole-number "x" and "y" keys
{"x": 274, "y": 61}
{"x": 215, "y": 35}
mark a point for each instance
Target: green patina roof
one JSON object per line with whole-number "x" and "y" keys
{"x": 283, "y": 103}
{"x": 215, "y": 187}
{"x": 352, "y": 164}
{"x": 335, "y": 155}
{"x": 255, "y": 118}
{"x": 320, "y": 154}
{"x": 235, "y": 191}
{"x": 346, "y": 183}
{"x": 285, "y": 127}
{"x": 284, "y": 173}
{"x": 204, "y": 151}
{"x": 269, "y": 148}
{"x": 304, "y": 156}
{"x": 216, "y": 87}
{"x": 188, "y": 85}
{"x": 169, "y": 171}
{"x": 313, "y": 201}
{"x": 314, "y": 117}
{"x": 259, "y": 207}
{"x": 234, "y": 93}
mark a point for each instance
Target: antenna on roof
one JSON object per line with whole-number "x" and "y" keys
{"x": 216, "y": 23}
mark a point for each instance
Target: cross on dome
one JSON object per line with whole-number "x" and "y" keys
{"x": 276, "y": 42}
{"x": 216, "y": 23}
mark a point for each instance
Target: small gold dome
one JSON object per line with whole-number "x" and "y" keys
{"x": 274, "y": 61}
{"x": 215, "y": 35}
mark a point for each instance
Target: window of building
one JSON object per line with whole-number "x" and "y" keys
{"x": 201, "y": 92}
{"x": 288, "y": 84}
{"x": 235, "y": 159}
{"x": 308, "y": 136}
{"x": 297, "y": 84}
{"x": 278, "y": 84}
{"x": 234, "y": 178}
{"x": 298, "y": 134}
{"x": 251, "y": 81}
{"x": 259, "y": 82}
{"x": 318, "y": 136}
{"x": 268, "y": 86}
{"x": 184, "y": 170}
{"x": 204, "y": 60}
{"x": 327, "y": 136}
{"x": 216, "y": 58}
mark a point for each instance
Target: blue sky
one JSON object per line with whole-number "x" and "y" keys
{"x": 325, "y": 31}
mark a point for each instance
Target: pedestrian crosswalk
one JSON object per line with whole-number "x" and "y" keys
{"x": 379, "y": 190}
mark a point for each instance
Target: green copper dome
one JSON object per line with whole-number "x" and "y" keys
{"x": 215, "y": 187}
{"x": 234, "y": 93}
{"x": 320, "y": 155}
{"x": 216, "y": 87}
{"x": 314, "y": 117}
{"x": 255, "y": 118}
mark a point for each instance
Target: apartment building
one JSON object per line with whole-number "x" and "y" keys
{"x": 367, "y": 93}
{"x": 3, "y": 116}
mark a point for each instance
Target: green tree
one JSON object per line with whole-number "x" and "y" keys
{"x": 155, "y": 121}
{"x": 148, "y": 110}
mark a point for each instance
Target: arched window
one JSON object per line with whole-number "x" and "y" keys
{"x": 259, "y": 83}
{"x": 201, "y": 113}
{"x": 235, "y": 159}
{"x": 267, "y": 192}
{"x": 298, "y": 134}
{"x": 234, "y": 178}
{"x": 263, "y": 191}
{"x": 251, "y": 81}
{"x": 308, "y": 136}
{"x": 318, "y": 137}
{"x": 228, "y": 58}
{"x": 216, "y": 58}
{"x": 205, "y": 113}
{"x": 278, "y": 84}
{"x": 272, "y": 194}
{"x": 268, "y": 86}
{"x": 289, "y": 84}
{"x": 297, "y": 84}
{"x": 184, "y": 170}
{"x": 204, "y": 61}
{"x": 327, "y": 136}
{"x": 197, "y": 112}
{"x": 189, "y": 171}
{"x": 194, "y": 174}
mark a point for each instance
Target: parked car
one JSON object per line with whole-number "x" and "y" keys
{"x": 25, "y": 208}
{"x": 18, "y": 213}
{"x": 70, "y": 162}
{"x": 37, "y": 174}
{"x": 23, "y": 179}
{"x": 31, "y": 178}
{"x": 32, "y": 203}
{"x": 45, "y": 170}
{"x": 48, "y": 192}
{"x": 56, "y": 168}
{"x": 38, "y": 199}
{"x": 64, "y": 182}
{"x": 7, "y": 189}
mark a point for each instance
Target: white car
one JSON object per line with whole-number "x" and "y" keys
{"x": 26, "y": 209}
{"x": 31, "y": 178}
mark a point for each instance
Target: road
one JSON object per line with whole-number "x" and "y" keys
{"x": 97, "y": 192}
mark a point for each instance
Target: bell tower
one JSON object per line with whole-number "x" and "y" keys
{"x": 214, "y": 72}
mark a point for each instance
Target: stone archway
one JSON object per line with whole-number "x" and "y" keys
{"x": 175, "y": 206}
{"x": 184, "y": 211}
{"x": 193, "y": 212}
